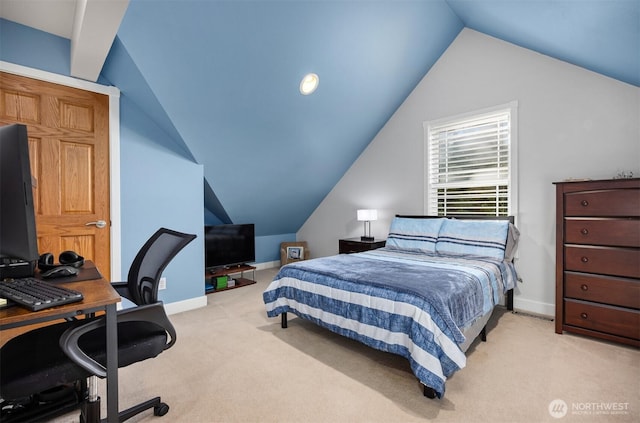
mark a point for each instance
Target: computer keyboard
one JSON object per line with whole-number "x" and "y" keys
{"x": 35, "y": 294}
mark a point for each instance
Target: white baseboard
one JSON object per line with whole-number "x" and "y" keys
{"x": 534, "y": 307}
{"x": 267, "y": 265}
{"x": 186, "y": 305}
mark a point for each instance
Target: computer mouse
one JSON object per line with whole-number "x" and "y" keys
{"x": 60, "y": 272}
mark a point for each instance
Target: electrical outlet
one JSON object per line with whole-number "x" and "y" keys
{"x": 163, "y": 283}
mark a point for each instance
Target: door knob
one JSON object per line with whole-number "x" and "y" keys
{"x": 99, "y": 224}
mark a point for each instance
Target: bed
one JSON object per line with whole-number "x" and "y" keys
{"x": 425, "y": 296}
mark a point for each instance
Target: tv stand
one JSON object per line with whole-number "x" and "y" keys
{"x": 212, "y": 274}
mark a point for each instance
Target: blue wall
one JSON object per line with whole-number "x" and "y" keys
{"x": 36, "y": 49}
{"x": 161, "y": 186}
{"x": 268, "y": 247}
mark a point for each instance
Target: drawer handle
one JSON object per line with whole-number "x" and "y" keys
{"x": 584, "y": 203}
{"x": 584, "y": 259}
{"x": 584, "y": 287}
{"x": 584, "y": 315}
{"x": 584, "y": 231}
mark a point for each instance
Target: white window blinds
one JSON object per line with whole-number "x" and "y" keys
{"x": 468, "y": 165}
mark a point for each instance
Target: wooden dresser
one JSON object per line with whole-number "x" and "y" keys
{"x": 598, "y": 259}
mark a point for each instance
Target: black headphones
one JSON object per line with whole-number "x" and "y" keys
{"x": 66, "y": 258}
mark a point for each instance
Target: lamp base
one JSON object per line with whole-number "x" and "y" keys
{"x": 366, "y": 238}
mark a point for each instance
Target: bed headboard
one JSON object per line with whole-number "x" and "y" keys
{"x": 460, "y": 216}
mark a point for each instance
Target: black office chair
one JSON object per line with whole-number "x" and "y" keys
{"x": 37, "y": 366}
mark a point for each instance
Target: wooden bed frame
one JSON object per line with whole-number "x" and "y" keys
{"x": 428, "y": 391}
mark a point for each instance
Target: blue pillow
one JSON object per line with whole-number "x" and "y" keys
{"x": 411, "y": 234}
{"x": 487, "y": 238}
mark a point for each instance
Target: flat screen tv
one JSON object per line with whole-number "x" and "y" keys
{"x": 229, "y": 245}
{"x": 18, "y": 237}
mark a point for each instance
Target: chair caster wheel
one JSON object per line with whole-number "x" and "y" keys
{"x": 161, "y": 410}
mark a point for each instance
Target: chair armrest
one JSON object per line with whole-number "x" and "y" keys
{"x": 153, "y": 313}
{"x": 122, "y": 288}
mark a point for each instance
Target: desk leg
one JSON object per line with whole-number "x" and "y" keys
{"x": 112, "y": 363}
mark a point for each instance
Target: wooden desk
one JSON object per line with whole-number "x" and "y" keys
{"x": 99, "y": 295}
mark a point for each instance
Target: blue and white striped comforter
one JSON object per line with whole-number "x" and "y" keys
{"x": 414, "y": 305}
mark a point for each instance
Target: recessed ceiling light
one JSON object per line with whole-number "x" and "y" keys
{"x": 309, "y": 83}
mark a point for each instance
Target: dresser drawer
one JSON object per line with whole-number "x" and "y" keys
{"x": 605, "y": 260}
{"x": 615, "y": 202}
{"x": 602, "y": 289}
{"x": 613, "y": 320}
{"x": 615, "y": 232}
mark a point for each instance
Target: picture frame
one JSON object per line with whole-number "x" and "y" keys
{"x": 293, "y": 251}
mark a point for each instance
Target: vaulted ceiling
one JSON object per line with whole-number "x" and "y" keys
{"x": 222, "y": 78}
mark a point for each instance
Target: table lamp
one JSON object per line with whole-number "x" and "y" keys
{"x": 366, "y": 216}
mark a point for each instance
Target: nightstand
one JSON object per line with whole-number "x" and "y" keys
{"x": 356, "y": 245}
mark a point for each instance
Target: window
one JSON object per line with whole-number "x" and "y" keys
{"x": 470, "y": 166}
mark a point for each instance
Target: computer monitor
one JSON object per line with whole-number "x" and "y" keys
{"x": 18, "y": 236}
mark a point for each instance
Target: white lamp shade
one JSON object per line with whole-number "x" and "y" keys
{"x": 367, "y": 214}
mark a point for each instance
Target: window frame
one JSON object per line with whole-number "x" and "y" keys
{"x": 512, "y": 179}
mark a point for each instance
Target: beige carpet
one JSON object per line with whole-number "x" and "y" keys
{"x": 233, "y": 364}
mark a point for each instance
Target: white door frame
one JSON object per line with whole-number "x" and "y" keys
{"x": 114, "y": 146}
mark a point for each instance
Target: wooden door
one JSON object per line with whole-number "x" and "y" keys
{"x": 68, "y": 132}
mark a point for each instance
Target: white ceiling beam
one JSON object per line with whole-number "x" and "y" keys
{"x": 95, "y": 27}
